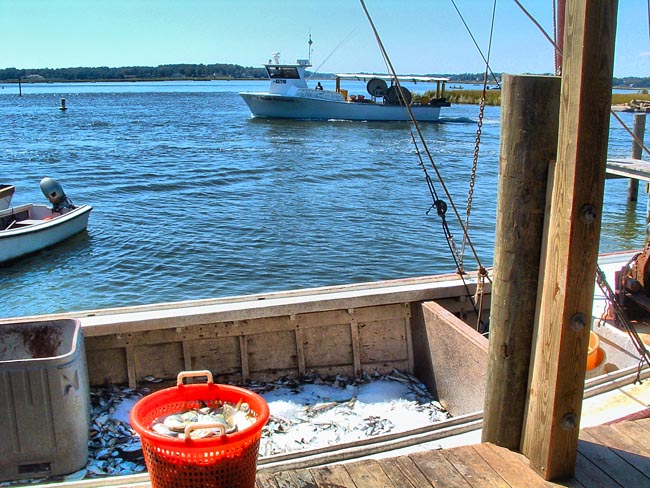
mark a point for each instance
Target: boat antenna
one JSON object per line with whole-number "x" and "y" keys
{"x": 310, "y": 48}
{"x": 330, "y": 54}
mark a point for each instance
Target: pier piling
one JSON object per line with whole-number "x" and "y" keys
{"x": 529, "y": 132}
{"x": 639, "y": 131}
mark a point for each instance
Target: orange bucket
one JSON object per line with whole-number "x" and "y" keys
{"x": 595, "y": 355}
{"x": 226, "y": 461}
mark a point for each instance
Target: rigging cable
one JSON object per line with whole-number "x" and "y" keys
{"x": 622, "y": 318}
{"x": 330, "y": 54}
{"x": 440, "y": 205}
{"x": 539, "y": 26}
{"x": 558, "y": 52}
{"x": 487, "y": 64}
{"x": 481, "y": 114}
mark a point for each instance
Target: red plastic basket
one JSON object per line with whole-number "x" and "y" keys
{"x": 229, "y": 460}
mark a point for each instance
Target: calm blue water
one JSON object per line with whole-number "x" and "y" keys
{"x": 194, "y": 199}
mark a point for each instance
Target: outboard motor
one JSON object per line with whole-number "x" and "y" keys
{"x": 53, "y": 191}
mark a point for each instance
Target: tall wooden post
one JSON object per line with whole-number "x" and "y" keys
{"x": 529, "y": 128}
{"x": 551, "y": 427}
{"x": 639, "y": 131}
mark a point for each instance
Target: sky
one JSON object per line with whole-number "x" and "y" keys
{"x": 420, "y": 36}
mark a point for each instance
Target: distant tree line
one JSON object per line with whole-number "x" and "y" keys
{"x": 167, "y": 71}
{"x": 211, "y": 71}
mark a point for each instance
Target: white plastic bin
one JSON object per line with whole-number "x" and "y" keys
{"x": 45, "y": 407}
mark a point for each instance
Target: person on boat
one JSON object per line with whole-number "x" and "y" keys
{"x": 319, "y": 86}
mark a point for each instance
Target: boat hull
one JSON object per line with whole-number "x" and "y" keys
{"x": 20, "y": 241}
{"x": 293, "y": 107}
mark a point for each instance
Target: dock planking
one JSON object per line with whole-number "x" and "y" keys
{"x": 615, "y": 455}
{"x": 636, "y": 169}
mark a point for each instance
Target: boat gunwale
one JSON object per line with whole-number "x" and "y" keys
{"x": 42, "y": 226}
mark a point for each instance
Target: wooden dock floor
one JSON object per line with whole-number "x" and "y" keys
{"x": 615, "y": 455}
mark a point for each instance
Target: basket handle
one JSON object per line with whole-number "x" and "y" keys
{"x": 206, "y": 425}
{"x": 193, "y": 374}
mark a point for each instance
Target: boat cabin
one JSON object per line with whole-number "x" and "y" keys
{"x": 286, "y": 76}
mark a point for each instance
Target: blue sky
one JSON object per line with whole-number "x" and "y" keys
{"x": 421, "y": 36}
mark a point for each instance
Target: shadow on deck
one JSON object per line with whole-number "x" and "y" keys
{"x": 615, "y": 455}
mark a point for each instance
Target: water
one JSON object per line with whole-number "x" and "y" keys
{"x": 194, "y": 199}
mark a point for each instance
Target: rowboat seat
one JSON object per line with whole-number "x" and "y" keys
{"x": 29, "y": 222}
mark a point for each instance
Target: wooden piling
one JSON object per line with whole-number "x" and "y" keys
{"x": 561, "y": 339}
{"x": 639, "y": 131}
{"x": 529, "y": 129}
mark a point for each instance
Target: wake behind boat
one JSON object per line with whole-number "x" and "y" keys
{"x": 29, "y": 228}
{"x": 289, "y": 97}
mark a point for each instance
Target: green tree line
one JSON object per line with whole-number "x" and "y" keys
{"x": 211, "y": 71}
{"x": 168, "y": 71}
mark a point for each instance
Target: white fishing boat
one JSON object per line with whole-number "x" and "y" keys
{"x": 6, "y": 193}
{"x": 29, "y": 228}
{"x": 289, "y": 97}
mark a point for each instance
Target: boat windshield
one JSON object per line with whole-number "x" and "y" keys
{"x": 283, "y": 72}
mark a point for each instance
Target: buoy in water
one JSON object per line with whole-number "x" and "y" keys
{"x": 63, "y": 107}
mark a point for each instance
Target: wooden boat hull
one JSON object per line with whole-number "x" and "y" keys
{"x": 21, "y": 240}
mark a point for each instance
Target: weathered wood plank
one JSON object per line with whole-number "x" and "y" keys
{"x": 645, "y": 423}
{"x": 438, "y": 470}
{"x": 327, "y": 346}
{"x": 556, "y": 387}
{"x": 383, "y": 341}
{"x": 473, "y": 468}
{"x": 368, "y": 474}
{"x": 263, "y": 351}
{"x": 107, "y": 366}
{"x": 160, "y": 360}
{"x": 588, "y": 474}
{"x": 617, "y": 468}
{"x": 513, "y": 471}
{"x": 300, "y": 478}
{"x": 334, "y": 476}
{"x": 265, "y": 480}
{"x": 636, "y": 432}
{"x": 219, "y": 355}
{"x": 379, "y": 313}
{"x": 325, "y": 318}
{"x": 403, "y": 473}
{"x": 626, "y": 448}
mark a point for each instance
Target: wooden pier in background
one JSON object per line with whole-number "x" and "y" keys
{"x": 615, "y": 455}
{"x": 636, "y": 169}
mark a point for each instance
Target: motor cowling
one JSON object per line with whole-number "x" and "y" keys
{"x": 53, "y": 191}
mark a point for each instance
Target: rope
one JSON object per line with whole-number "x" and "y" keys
{"x": 440, "y": 205}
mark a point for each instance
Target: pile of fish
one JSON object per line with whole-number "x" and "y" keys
{"x": 207, "y": 421}
{"x": 316, "y": 412}
{"x": 309, "y": 413}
